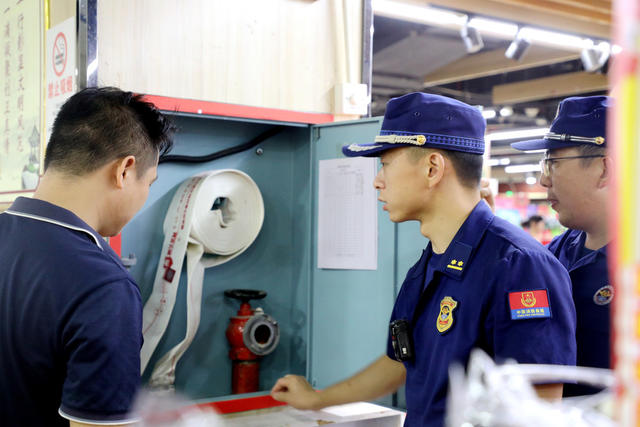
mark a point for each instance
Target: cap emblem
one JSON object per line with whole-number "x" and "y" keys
{"x": 401, "y": 139}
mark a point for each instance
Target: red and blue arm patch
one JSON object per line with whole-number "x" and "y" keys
{"x": 529, "y": 304}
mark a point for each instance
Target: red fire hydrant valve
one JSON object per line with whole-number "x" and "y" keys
{"x": 251, "y": 334}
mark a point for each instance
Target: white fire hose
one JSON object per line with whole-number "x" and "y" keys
{"x": 213, "y": 217}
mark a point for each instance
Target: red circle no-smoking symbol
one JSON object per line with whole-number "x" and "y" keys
{"x": 59, "y": 54}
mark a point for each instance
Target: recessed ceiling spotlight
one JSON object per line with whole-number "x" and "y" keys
{"x": 499, "y": 162}
{"x": 489, "y": 114}
{"x": 522, "y": 168}
{"x": 506, "y": 111}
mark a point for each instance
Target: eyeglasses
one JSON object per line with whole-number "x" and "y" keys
{"x": 546, "y": 162}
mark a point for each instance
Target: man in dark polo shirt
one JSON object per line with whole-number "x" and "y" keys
{"x": 70, "y": 313}
{"x": 576, "y": 171}
{"x": 480, "y": 283}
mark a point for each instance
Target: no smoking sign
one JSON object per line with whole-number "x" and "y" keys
{"x": 60, "y": 68}
{"x": 59, "y": 56}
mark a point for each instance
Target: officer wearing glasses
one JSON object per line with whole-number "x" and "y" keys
{"x": 576, "y": 172}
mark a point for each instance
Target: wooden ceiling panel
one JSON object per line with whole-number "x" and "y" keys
{"x": 603, "y": 6}
{"x": 557, "y": 86}
{"x": 570, "y": 9}
{"x": 494, "y": 62}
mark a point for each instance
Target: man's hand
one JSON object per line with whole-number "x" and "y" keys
{"x": 297, "y": 392}
{"x": 486, "y": 194}
{"x": 380, "y": 378}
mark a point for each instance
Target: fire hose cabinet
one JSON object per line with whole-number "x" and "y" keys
{"x": 330, "y": 323}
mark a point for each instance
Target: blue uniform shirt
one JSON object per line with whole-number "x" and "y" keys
{"x": 494, "y": 288}
{"x": 70, "y": 321}
{"x": 592, "y": 295}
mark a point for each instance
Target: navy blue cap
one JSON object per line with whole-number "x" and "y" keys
{"x": 426, "y": 120}
{"x": 579, "y": 121}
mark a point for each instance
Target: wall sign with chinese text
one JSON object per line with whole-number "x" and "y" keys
{"x": 21, "y": 89}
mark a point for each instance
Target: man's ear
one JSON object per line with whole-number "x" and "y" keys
{"x": 434, "y": 168}
{"x": 606, "y": 172}
{"x": 122, "y": 169}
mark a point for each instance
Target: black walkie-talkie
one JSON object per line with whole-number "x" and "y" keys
{"x": 401, "y": 340}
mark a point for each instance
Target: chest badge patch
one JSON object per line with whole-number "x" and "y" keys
{"x": 604, "y": 295}
{"x": 529, "y": 304}
{"x": 445, "y": 317}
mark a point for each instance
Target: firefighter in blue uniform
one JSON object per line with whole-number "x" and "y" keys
{"x": 576, "y": 172}
{"x": 480, "y": 283}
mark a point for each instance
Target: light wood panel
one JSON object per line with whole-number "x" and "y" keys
{"x": 603, "y": 6}
{"x": 276, "y": 54}
{"x": 494, "y": 62}
{"x": 61, "y": 10}
{"x": 584, "y": 11}
{"x": 549, "y": 87}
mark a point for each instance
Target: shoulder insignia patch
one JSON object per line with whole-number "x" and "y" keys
{"x": 529, "y": 304}
{"x": 455, "y": 264}
{"x": 604, "y": 295}
{"x": 445, "y": 317}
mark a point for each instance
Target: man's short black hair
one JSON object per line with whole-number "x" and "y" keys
{"x": 533, "y": 219}
{"x": 536, "y": 219}
{"x": 98, "y": 125}
{"x": 467, "y": 166}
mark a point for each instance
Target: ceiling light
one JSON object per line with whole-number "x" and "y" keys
{"x": 518, "y": 47}
{"x": 555, "y": 38}
{"x": 493, "y": 27}
{"x": 488, "y": 114}
{"x": 455, "y": 21}
{"x": 471, "y": 38}
{"x": 516, "y": 134}
{"x": 427, "y": 15}
{"x": 522, "y": 168}
{"x": 499, "y": 162}
{"x": 506, "y": 111}
{"x": 530, "y": 180}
